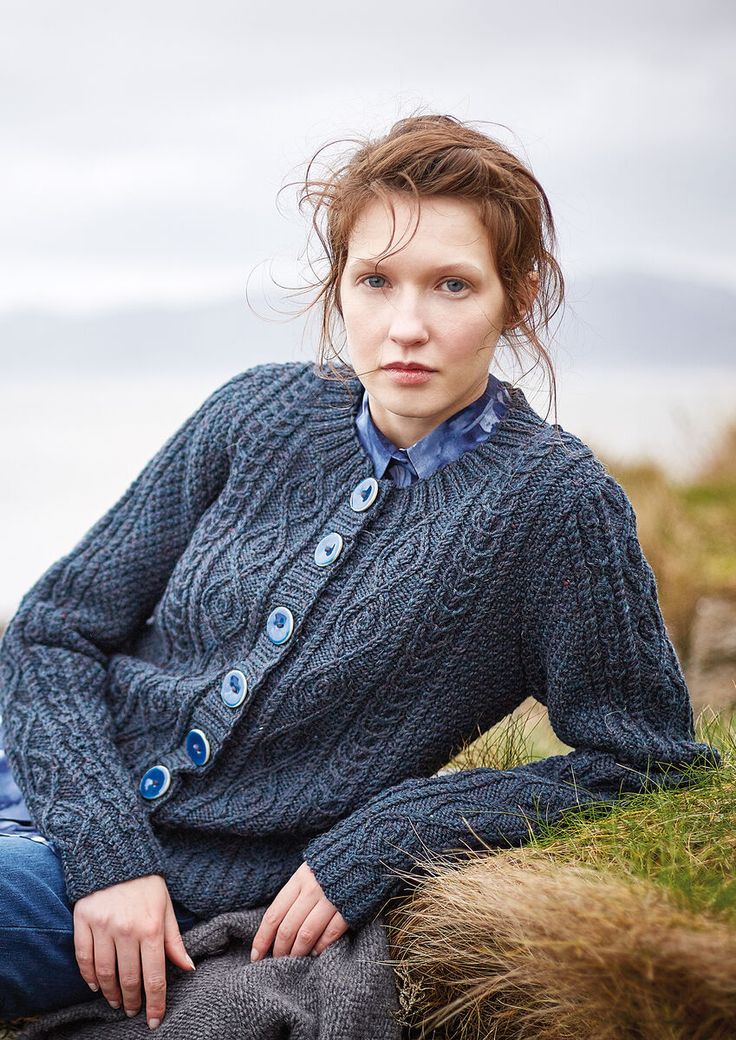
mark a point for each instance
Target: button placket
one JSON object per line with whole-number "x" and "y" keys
{"x": 303, "y": 585}
{"x": 218, "y": 717}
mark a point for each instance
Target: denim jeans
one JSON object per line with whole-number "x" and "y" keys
{"x": 38, "y": 968}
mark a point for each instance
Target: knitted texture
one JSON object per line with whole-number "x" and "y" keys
{"x": 463, "y": 430}
{"x": 347, "y": 993}
{"x": 513, "y": 571}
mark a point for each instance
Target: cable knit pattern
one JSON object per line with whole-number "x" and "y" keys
{"x": 515, "y": 570}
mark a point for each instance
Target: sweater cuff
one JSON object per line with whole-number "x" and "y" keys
{"x": 346, "y": 859}
{"x": 352, "y": 888}
{"x": 100, "y": 846}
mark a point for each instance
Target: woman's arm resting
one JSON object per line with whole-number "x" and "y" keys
{"x": 55, "y": 651}
{"x": 599, "y": 656}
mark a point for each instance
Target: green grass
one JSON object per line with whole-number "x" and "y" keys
{"x": 682, "y": 839}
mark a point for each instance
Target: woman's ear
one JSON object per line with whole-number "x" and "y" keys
{"x": 533, "y": 288}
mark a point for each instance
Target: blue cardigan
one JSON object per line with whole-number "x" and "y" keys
{"x": 263, "y": 654}
{"x": 461, "y": 432}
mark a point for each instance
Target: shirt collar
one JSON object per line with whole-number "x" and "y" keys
{"x": 450, "y": 439}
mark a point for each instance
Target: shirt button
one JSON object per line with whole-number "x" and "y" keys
{"x": 364, "y": 494}
{"x": 280, "y": 624}
{"x": 328, "y": 549}
{"x": 234, "y": 688}
{"x": 197, "y": 746}
{"x": 155, "y": 782}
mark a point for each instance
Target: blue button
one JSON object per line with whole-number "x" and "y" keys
{"x": 155, "y": 782}
{"x": 364, "y": 494}
{"x": 234, "y": 688}
{"x": 280, "y": 624}
{"x": 197, "y": 746}
{"x": 328, "y": 549}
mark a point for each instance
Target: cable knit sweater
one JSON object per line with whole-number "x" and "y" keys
{"x": 463, "y": 430}
{"x": 261, "y": 654}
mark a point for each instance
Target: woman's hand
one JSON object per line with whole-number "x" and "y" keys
{"x": 301, "y": 918}
{"x": 127, "y": 925}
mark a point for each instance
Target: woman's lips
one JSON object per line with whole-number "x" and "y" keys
{"x": 408, "y": 376}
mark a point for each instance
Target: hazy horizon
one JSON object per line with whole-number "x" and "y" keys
{"x": 143, "y": 147}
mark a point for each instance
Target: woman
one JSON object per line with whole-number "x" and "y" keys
{"x": 238, "y": 688}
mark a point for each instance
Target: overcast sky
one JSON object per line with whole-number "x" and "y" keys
{"x": 142, "y": 144}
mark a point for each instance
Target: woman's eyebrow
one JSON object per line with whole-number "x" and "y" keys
{"x": 454, "y": 265}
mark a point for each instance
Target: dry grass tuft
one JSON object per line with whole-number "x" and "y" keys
{"x": 517, "y": 946}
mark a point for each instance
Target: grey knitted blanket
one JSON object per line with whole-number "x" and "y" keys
{"x": 348, "y": 992}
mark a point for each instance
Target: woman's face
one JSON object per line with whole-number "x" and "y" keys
{"x": 438, "y": 301}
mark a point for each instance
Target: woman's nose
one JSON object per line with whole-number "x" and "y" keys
{"x": 408, "y": 325}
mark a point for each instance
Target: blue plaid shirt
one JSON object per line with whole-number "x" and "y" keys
{"x": 446, "y": 442}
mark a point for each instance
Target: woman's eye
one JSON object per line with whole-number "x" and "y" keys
{"x": 458, "y": 283}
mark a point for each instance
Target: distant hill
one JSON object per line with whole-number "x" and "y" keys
{"x": 146, "y": 339}
{"x": 645, "y": 320}
{"x": 629, "y": 318}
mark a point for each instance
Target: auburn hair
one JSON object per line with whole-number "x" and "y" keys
{"x": 425, "y": 155}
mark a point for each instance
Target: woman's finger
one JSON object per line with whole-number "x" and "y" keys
{"x": 129, "y": 971}
{"x": 174, "y": 947}
{"x": 84, "y": 951}
{"x": 106, "y": 967}
{"x": 336, "y": 927}
{"x": 272, "y": 918}
{"x": 293, "y": 923}
{"x": 153, "y": 960}
{"x": 311, "y": 928}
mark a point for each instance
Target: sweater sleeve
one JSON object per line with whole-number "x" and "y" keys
{"x": 597, "y": 653}
{"x": 55, "y": 651}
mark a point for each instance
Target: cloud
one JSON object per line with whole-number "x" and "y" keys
{"x": 143, "y": 146}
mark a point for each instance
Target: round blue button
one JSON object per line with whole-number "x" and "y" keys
{"x": 155, "y": 782}
{"x": 197, "y": 746}
{"x": 364, "y": 494}
{"x": 328, "y": 549}
{"x": 280, "y": 624}
{"x": 234, "y": 688}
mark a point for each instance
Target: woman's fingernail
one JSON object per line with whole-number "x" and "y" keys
{"x": 154, "y": 1023}
{"x": 314, "y": 953}
{"x": 114, "y": 1004}
{"x": 131, "y": 1014}
{"x": 194, "y": 966}
{"x": 254, "y": 954}
{"x": 93, "y": 987}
